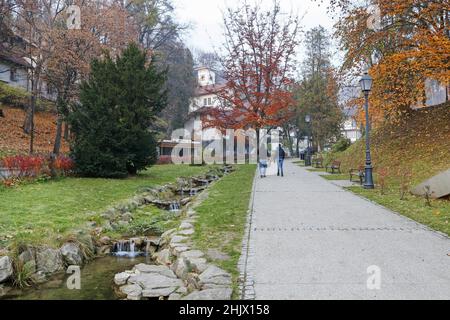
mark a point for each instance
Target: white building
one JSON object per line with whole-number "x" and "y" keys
{"x": 205, "y": 97}
{"x": 13, "y": 68}
{"x": 15, "y": 65}
{"x": 350, "y": 128}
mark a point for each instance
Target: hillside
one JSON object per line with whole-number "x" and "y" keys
{"x": 421, "y": 142}
{"x": 14, "y": 140}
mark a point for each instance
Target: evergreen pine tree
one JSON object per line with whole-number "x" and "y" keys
{"x": 117, "y": 106}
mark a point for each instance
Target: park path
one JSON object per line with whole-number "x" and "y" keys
{"x": 310, "y": 239}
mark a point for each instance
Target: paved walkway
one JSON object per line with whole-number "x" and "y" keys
{"x": 310, "y": 239}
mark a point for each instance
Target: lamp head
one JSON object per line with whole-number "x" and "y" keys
{"x": 366, "y": 83}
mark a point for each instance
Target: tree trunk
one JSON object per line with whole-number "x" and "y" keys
{"x": 290, "y": 141}
{"x": 57, "y": 145}
{"x": 258, "y": 140}
{"x": 29, "y": 113}
{"x": 66, "y": 131}
{"x": 28, "y": 122}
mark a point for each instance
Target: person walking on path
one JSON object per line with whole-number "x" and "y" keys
{"x": 263, "y": 168}
{"x": 281, "y": 157}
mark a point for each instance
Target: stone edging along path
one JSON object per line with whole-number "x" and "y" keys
{"x": 182, "y": 273}
{"x": 88, "y": 243}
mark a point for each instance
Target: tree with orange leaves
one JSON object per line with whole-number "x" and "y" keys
{"x": 259, "y": 47}
{"x": 409, "y": 44}
{"x": 105, "y": 27}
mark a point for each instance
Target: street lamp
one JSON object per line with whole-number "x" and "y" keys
{"x": 366, "y": 86}
{"x": 308, "y": 150}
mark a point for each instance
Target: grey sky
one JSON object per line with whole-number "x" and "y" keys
{"x": 206, "y": 18}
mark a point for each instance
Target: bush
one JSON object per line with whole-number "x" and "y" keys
{"x": 117, "y": 107}
{"x": 20, "y": 167}
{"x": 24, "y": 166}
{"x": 341, "y": 145}
{"x": 64, "y": 165}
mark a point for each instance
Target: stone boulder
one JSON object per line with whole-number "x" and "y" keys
{"x": 6, "y": 268}
{"x": 199, "y": 265}
{"x": 192, "y": 254}
{"x": 147, "y": 268}
{"x": 214, "y": 277}
{"x": 132, "y": 291}
{"x": 72, "y": 254}
{"x": 186, "y": 232}
{"x": 155, "y": 285}
{"x": 211, "y": 294}
{"x": 163, "y": 257}
{"x": 181, "y": 267}
{"x": 49, "y": 261}
{"x": 121, "y": 278}
{"x": 27, "y": 259}
{"x": 186, "y": 225}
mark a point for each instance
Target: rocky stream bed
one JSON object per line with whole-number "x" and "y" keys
{"x": 156, "y": 266}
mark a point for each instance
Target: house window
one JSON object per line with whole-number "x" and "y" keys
{"x": 13, "y": 74}
{"x": 209, "y": 102}
{"x": 205, "y": 102}
{"x": 50, "y": 90}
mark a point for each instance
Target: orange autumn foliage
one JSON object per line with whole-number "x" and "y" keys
{"x": 411, "y": 45}
{"x": 258, "y": 66}
{"x": 13, "y": 140}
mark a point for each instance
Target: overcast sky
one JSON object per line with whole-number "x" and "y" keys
{"x": 205, "y": 16}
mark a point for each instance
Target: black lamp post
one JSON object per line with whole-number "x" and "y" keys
{"x": 308, "y": 150}
{"x": 366, "y": 86}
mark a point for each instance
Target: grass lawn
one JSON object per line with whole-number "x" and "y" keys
{"x": 335, "y": 177}
{"x": 316, "y": 169}
{"x": 436, "y": 217}
{"x": 222, "y": 218}
{"x": 300, "y": 163}
{"x": 45, "y": 212}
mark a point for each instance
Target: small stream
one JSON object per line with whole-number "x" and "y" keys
{"x": 97, "y": 276}
{"x": 96, "y": 281}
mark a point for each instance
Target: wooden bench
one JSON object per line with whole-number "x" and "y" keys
{"x": 317, "y": 162}
{"x": 335, "y": 166}
{"x": 359, "y": 173}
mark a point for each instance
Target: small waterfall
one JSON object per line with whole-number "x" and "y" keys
{"x": 126, "y": 248}
{"x": 175, "y": 207}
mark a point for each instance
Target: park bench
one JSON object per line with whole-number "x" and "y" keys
{"x": 335, "y": 166}
{"x": 317, "y": 162}
{"x": 359, "y": 173}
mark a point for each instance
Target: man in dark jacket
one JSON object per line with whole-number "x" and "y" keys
{"x": 281, "y": 157}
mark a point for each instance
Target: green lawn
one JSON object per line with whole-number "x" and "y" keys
{"x": 300, "y": 163}
{"x": 436, "y": 217}
{"x": 222, "y": 218}
{"x": 335, "y": 177}
{"x": 316, "y": 169}
{"x": 45, "y": 212}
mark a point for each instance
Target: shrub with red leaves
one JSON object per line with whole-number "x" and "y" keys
{"x": 30, "y": 167}
{"x": 24, "y": 166}
{"x": 64, "y": 165}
